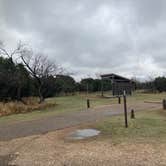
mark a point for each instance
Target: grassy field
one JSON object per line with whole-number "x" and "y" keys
{"x": 142, "y": 143}
{"x": 64, "y": 104}
{"x": 148, "y": 127}
{"x": 77, "y": 102}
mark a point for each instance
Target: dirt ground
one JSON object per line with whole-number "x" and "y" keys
{"x": 52, "y": 123}
{"x": 54, "y": 149}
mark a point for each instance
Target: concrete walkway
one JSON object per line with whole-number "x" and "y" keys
{"x": 44, "y": 125}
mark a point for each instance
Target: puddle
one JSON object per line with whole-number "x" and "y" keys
{"x": 83, "y": 134}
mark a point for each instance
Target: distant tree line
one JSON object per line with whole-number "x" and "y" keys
{"x": 158, "y": 84}
{"x": 15, "y": 81}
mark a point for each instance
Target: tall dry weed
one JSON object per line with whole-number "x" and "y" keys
{"x": 31, "y": 104}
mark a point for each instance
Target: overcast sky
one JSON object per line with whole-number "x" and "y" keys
{"x": 91, "y": 37}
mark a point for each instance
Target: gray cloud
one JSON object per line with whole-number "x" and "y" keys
{"x": 89, "y": 37}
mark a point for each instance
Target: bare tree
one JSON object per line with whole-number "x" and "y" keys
{"x": 40, "y": 67}
{"x": 15, "y": 52}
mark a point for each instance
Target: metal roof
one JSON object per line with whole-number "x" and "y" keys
{"x": 115, "y": 76}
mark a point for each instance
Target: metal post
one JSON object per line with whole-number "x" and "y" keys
{"x": 119, "y": 99}
{"x": 125, "y": 109}
{"x": 132, "y": 114}
{"x": 88, "y": 103}
{"x": 164, "y": 104}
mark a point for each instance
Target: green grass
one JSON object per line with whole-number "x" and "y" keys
{"x": 147, "y": 97}
{"x": 148, "y": 126}
{"x": 65, "y": 104}
{"x": 75, "y": 103}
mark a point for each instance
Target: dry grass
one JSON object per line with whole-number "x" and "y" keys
{"x": 52, "y": 149}
{"x": 31, "y": 104}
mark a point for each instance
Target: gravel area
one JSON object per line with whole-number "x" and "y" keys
{"x": 53, "y": 149}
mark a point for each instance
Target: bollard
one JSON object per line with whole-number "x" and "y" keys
{"x": 88, "y": 103}
{"x": 119, "y": 100}
{"x": 132, "y": 114}
{"x": 164, "y": 104}
{"x": 125, "y": 109}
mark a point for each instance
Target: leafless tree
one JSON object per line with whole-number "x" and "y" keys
{"x": 15, "y": 52}
{"x": 40, "y": 67}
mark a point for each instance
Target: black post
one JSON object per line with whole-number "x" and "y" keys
{"x": 125, "y": 109}
{"x": 88, "y": 103}
{"x": 164, "y": 104}
{"x": 132, "y": 114}
{"x": 119, "y": 99}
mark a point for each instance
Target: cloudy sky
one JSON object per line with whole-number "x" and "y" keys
{"x": 91, "y": 37}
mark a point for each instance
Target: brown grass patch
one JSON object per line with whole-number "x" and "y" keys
{"x": 51, "y": 149}
{"x": 15, "y": 107}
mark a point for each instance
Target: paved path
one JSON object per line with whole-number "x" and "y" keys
{"x": 41, "y": 126}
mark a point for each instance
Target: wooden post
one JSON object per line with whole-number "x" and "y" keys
{"x": 125, "y": 109}
{"x": 164, "y": 104}
{"x": 88, "y": 103}
{"x": 119, "y": 99}
{"x": 132, "y": 114}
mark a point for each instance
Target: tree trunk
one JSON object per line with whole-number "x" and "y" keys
{"x": 19, "y": 93}
{"x": 41, "y": 97}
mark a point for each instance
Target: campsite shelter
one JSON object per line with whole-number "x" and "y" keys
{"x": 119, "y": 84}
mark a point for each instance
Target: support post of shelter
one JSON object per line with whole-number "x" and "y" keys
{"x": 87, "y": 89}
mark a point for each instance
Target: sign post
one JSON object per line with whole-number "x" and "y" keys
{"x": 125, "y": 109}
